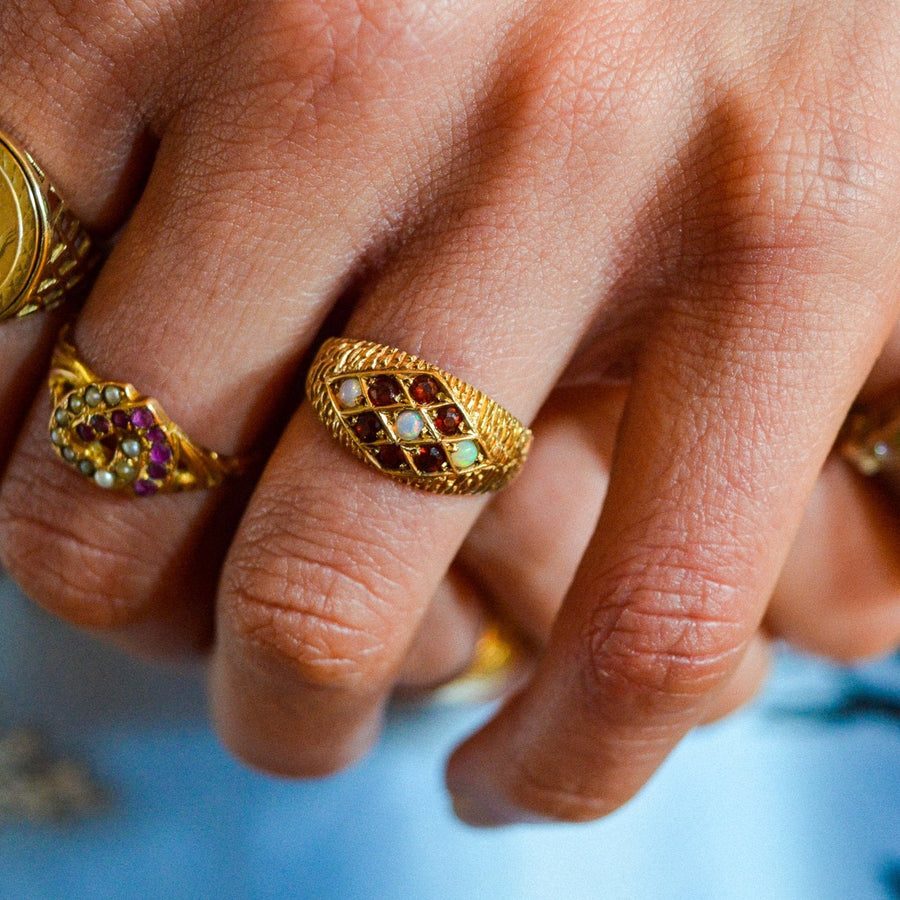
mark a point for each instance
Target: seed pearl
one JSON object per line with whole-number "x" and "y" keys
{"x": 104, "y": 478}
{"x": 58, "y": 436}
{"x": 75, "y": 404}
{"x": 92, "y": 395}
{"x": 68, "y": 454}
{"x": 112, "y": 395}
{"x": 61, "y": 416}
{"x": 125, "y": 470}
{"x": 131, "y": 447}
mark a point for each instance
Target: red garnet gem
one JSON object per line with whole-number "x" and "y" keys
{"x": 429, "y": 458}
{"x": 448, "y": 420}
{"x": 100, "y": 424}
{"x": 85, "y": 432}
{"x": 390, "y": 456}
{"x": 120, "y": 418}
{"x": 384, "y": 390}
{"x": 424, "y": 389}
{"x": 367, "y": 427}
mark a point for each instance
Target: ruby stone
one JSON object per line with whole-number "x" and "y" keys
{"x": 145, "y": 488}
{"x": 390, "y": 456}
{"x": 424, "y": 389}
{"x": 85, "y": 432}
{"x": 367, "y": 427}
{"x": 429, "y": 458}
{"x": 448, "y": 420}
{"x": 120, "y": 418}
{"x": 384, "y": 390}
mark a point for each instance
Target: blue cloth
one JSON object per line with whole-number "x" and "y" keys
{"x": 794, "y": 799}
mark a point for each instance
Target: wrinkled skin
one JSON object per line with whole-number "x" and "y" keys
{"x": 663, "y": 232}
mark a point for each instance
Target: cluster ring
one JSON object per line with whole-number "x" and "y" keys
{"x": 413, "y": 421}
{"x": 120, "y": 439}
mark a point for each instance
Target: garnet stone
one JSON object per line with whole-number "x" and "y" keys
{"x": 429, "y": 458}
{"x": 384, "y": 390}
{"x": 390, "y": 456}
{"x": 367, "y": 427}
{"x": 448, "y": 420}
{"x": 424, "y": 389}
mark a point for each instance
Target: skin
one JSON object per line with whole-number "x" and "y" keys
{"x": 663, "y": 232}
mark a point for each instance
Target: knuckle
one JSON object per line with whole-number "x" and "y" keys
{"x": 663, "y": 649}
{"x": 313, "y": 603}
{"x": 93, "y": 583}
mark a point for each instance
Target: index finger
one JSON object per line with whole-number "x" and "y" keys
{"x": 738, "y": 395}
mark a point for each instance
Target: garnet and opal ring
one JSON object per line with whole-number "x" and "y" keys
{"x": 413, "y": 421}
{"x": 46, "y": 256}
{"x": 123, "y": 441}
{"x": 870, "y": 440}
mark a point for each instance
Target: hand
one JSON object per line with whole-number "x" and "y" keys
{"x": 687, "y": 202}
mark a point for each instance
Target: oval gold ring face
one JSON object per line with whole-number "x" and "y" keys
{"x": 19, "y": 229}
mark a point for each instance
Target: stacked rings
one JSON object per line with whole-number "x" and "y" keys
{"x": 413, "y": 421}
{"x": 46, "y": 255}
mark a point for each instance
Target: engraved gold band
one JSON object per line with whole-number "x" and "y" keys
{"x": 121, "y": 440}
{"x": 870, "y": 440}
{"x": 46, "y": 255}
{"x": 413, "y": 421}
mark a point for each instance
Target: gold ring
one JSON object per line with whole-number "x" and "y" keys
{"x": 413, "y": 421}
{"x": 121, "y": 440}
{"x": 870, "y": 438}
{"x": 46, "y": 255}
{"x": 499, "y": 664}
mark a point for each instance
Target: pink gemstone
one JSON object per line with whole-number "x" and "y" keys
{"x": 424, "y": 389}
{"x": 142, "y": 417}
{"x": 160, "y": 453}
{"x": 120, "y": 418}
{"x": 155, "y": 470}
{"x": 156, "y": 435}
{"x": 85, "y": 432}
{"x": 145, "y": 488}
{"x": 100, "y": 424}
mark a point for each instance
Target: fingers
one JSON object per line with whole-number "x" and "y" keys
{"x": 719, "y": 447}
{"x": 839, "y": 593}
{"x": 243, "y": 240}
{"x": 333, "y": 566}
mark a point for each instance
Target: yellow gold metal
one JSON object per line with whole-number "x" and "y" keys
{"x": 428, "y": 429}
{"x": 498, "y": 665}
{"x": 870, "y": 440}
{"x": 46, "y": 255}
{"x": 120, "y": 439}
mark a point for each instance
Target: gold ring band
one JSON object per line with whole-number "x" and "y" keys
{"x": 870, "y": 437}
{"x": 46, "y": 255}
{"x": 120, "y": 439}
{"x": 413, "y": 421}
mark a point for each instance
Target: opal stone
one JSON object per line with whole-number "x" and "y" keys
{"x": 464, "y": 454}
{"x": 409, "y": 425}
{"x": 350, "y": 393}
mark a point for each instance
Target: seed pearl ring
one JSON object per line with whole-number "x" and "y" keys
{"x": 121, "y": 440}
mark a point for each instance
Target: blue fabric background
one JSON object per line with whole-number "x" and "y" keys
{"x": 797, "y": 798}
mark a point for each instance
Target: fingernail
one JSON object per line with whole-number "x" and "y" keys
{"x": 477, "y": 814}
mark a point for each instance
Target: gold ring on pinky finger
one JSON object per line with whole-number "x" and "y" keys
{"x": 121, "y": 440}
{"x": 413, "y": 421}
{"x": 870, "y": 440}
{"x": 46, "y": 255}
